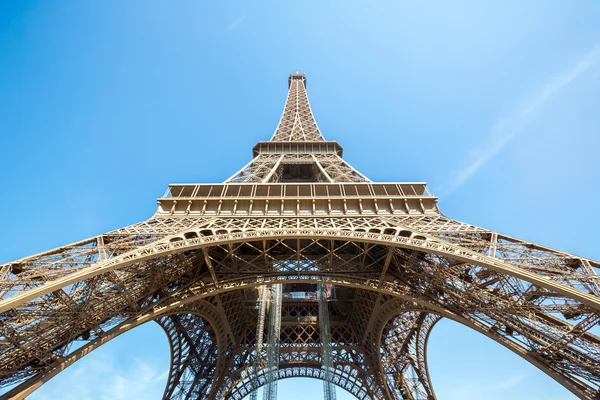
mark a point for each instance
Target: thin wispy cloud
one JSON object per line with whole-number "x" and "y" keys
{"x": 493, "y": 388}
{"x": 138, "y": 379}
{"x": 477, "y": 389}
{"x": 507, "y": 129}
{"x": 235, "y": 23}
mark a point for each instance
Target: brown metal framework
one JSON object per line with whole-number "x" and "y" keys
{"x": 299, "y": 215}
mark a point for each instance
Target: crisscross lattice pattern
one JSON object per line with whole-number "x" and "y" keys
{"x": 394, "y": 265}
{"x": 297, "y": 122}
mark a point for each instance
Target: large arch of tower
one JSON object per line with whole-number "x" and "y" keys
{"x": 299, "y": 265}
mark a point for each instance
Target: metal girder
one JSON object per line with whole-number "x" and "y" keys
{"x": 194, "y": 355}
{"x": 295, "y": 217}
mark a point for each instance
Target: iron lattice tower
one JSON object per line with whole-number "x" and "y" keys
{"x": 379, "y": 259}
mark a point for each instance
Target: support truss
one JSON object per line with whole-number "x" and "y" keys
{"x": 194, "y": 356}
{"x": 272, "y": 367}
{"x": 295, "y": 218}
{"x": 328, "y": 386}
{"x": 260, "y": 329}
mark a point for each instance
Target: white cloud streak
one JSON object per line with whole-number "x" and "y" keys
{"x": 103, "y": 377}
{"x": 473, "y": 390}
{"x": 507, "y": 129}
{"x": 235, "y": 23}
{"x": 495, "y": 388}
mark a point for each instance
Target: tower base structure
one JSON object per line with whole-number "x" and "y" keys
{"x": 300, "y": 218}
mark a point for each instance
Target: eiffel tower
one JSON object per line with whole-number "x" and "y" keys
{"x": 299, "y": 266}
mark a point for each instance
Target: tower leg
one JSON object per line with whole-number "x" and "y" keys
{"x": 404, "y": 356}
{"x": 194, "y": 357}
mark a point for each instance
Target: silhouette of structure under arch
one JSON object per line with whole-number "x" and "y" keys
{"x": 299, "y": 216}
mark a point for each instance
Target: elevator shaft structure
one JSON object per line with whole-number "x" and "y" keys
{"x": 272, "y": 368}
{"x": 325, "y": 333}
{"x": 260, "y": 329}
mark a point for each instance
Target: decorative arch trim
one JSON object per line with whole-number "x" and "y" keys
{"x": 183, "y": 242}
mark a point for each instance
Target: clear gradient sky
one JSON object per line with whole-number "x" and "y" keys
{"x": 495, "y": 104}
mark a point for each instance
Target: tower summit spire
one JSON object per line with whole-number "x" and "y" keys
{"x": 297, "y": 121}
{"x": 297, "y": 152}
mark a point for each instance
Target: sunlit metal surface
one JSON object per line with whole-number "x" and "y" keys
{"x": 297, "y": 217}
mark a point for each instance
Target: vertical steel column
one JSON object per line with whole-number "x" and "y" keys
{"x": 325, "y": 333}
{"x": 260, "y": 329}
{"x": 270, "y": 392}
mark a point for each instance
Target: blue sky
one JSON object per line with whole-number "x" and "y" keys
{"x": 494, "y": 104}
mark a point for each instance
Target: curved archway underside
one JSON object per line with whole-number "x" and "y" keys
{"x": 395, "y": 276}
{"x": 298, "y": 214}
